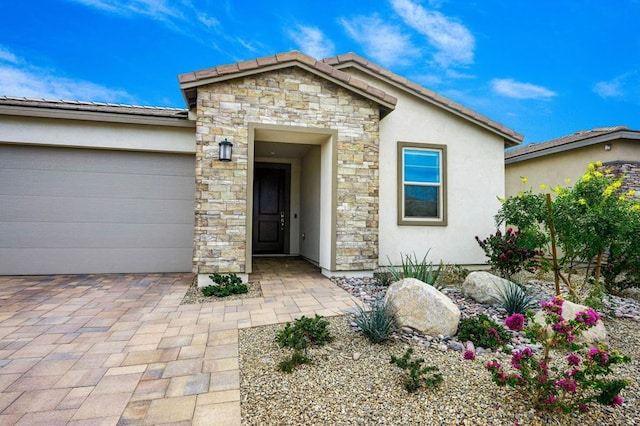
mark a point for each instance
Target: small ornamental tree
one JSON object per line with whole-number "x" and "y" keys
{"x": 552, "y": 389}
{"x": 595, "y": 225}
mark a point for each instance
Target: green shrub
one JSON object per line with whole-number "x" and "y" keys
{"x": 416, "y": 378}
{"x": 419, "y": 269}
{"x": 225, "y": 285}
{"x": 305, "y": 332}
{"x": 384, "y": 278}
{"x": 483, "y": 332}
{"x": 378, "y": 324}
{"x": 289, "y": 364}
{"x": 515, "y": 299}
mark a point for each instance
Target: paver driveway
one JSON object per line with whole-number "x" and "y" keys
{"x": 121, "y": 349}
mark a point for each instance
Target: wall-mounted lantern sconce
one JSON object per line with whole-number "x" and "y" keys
{"x": 607, "y": 147}
{"x": 225, "y": 148}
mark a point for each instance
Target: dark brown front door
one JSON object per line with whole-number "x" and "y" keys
{"x": 271, "y": 208}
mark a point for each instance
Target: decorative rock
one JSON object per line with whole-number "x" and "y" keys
{"x": 592, "y": 336}
{"x": 423, "y": 308}
{"x": 442, "y": 348}
{"x": 356, "y": 356}
{"x": 483, "y": 287}
{"x": 470, "y": 346}
{"x": 456, "y": 346}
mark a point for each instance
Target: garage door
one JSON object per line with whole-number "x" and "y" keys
{"x": 73, "y": 211}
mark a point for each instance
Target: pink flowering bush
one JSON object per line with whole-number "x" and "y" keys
{"x": 551, "y": 388}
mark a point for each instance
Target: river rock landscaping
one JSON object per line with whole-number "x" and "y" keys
{"x": 351, "y": 381}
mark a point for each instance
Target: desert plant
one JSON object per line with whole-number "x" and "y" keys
{"x": 515, "y": 298}
{"x": 483, "y": 332}
{"x": 225, "y": 285}
{"x": 305, "y": 332}
{"x": 416, "y": 377}
{"x": 418, "y": 269}
{"x": 383, "y": 278}
{"x": 377, "y": 324}
{"x": 512, "y": 251}
{"x": 289, "y": 364}
{"x": 553, "y": 389}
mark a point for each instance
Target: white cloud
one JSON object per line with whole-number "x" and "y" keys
{"x": 161, "y": 10}
{"x": 514, "y": 89}
{"x": 453, "y": 41}
{"x": 20, "y": 79}
{"x": 7, "y": 56}
{"x": 614, "y": 88}
{"x": 311, "y": 41}
{"x": 383, "y": 42}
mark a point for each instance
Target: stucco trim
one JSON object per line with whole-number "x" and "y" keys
{"x": 400, "y": 190}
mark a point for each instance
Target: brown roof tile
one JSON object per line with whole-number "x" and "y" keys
{"x": 93, "y": 107}
{"x": 346, "y": 59}
{"x": 578, "y": 136}
{"x": 225, "y": 71}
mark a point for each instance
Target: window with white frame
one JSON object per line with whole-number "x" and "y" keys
{"x": 421, "y": 184}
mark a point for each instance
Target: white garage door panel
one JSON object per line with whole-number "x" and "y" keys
{"x": 94, "y": 261}
{"x": 94, "y": 210}
{"x": 71, "y": 211}
{"x": 57, "y": 183}
{"x": 86, "y": 235}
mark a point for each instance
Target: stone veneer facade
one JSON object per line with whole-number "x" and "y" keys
{"x": 286, "y": 97}
{"x": 629, "y": 171}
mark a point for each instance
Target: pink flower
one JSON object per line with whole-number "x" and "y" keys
{"x": 469, "y": 355}
{"x": 589, "y": 317}
{"x": 616, "y": 401}
{"x": 515, "y": 322}
{"x": 573, "y": 359}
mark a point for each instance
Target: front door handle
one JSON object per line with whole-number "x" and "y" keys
{"x": 282, "y": 220}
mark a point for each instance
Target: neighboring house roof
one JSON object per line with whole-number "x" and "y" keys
{"x": 348, "y": 60}
{"x": 189, "y": 82}
{"x": 576, "y": 140}
{"x": 93, "y": 111}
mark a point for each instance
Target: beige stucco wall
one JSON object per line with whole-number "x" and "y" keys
{"x": 475, "y": 177}
{"x": 287, "y": 97}
{"x": 97, "y": 134}
{"x": 552, "y": 170}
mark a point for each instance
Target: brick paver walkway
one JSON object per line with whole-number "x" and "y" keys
{"x": 120, "y": 349}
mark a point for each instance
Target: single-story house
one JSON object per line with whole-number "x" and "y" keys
{"x": 339, "y": 161}
{"x": 551, "y": 162}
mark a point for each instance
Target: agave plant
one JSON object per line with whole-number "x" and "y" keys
{"x": 515, "y": 298}
{"x": 377, "y": 324}
{"x": 419, "y": 269}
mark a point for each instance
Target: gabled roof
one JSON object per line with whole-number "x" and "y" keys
{"x": 189, "y": 82}
{"x": 349, "y": 60}
{"x": 565, "y": 143}
{"x": 93, "y": 111}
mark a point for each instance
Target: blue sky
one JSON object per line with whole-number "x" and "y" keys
{"x": 544, "y": 68}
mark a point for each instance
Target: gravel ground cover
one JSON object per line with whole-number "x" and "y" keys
{"x": 351, "y": 381}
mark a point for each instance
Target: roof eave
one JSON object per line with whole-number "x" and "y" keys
{"x": 100, "y": 116}
{"x": 510, "y": 140}
{"x": 622, "y": 134}
{"x": 189, "y": 88}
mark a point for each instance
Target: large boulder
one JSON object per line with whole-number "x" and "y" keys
{"x": 484, "y": 287}
{"x": 591, "y": 337}
{"x": 423, "y": 308}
